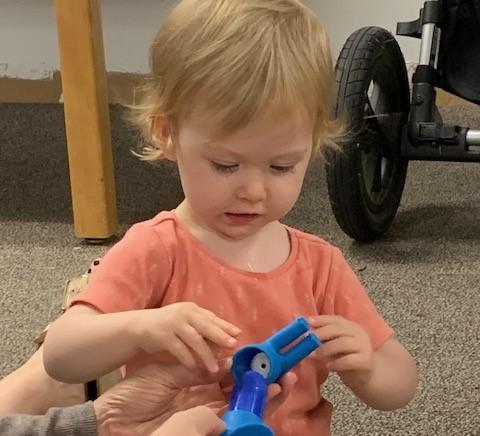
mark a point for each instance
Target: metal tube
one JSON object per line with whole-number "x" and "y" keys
{"x": 438, "y": 35}
{"x": 473, "y": 137}
{"x": 428, "y": 31}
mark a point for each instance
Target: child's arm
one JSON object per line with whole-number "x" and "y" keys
{"x": 385, "y": 379}
{"x": 84, "y": 344}
{"x": 393, "y": 380}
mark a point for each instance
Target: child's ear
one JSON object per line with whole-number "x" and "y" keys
{"x": 162, "y": 133}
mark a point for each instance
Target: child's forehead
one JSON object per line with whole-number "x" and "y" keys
{"x": 282, "y": 137}
{"x": 278, "y": 128}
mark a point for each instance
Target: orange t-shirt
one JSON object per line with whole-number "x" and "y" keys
{"x": 160, "y": 262}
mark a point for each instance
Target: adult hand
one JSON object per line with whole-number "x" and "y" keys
{"x": 203, "y": 421}
{"x": 141, "y": 403}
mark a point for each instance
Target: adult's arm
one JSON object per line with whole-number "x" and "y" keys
{"x": 66, "y": 421}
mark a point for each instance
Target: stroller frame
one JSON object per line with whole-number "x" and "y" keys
{"x": 425, "y": 137}
{"x": 391, "y": 122}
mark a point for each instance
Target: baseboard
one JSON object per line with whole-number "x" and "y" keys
{"x": 121, "y": 88}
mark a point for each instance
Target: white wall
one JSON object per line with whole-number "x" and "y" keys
{"x": 28, "y": 40}
{"x": 342, "y": 17}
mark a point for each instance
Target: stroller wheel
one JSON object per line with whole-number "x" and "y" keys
{"x": 366, "y": 178}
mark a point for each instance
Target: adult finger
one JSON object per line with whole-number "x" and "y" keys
{"x": 205, "y": 419}
{"x": 184, "y": 378}
{"x": 279, "y": 392}
{"x": 198, "y": 421}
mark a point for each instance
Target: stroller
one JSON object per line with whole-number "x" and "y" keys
{"x": 387, "y": 127}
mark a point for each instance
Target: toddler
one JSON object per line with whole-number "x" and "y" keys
{"x": 240, "y": 97}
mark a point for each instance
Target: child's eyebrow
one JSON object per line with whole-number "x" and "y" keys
{"x": 294, "y": 154}
{"x": 208, "y": 144}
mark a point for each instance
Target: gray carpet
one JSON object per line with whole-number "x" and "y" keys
{"x": 424, "y": 275}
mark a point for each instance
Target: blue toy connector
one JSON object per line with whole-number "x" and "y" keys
{"x": 256, "y": 366}
{"x": 268, "y": 357}
{"x": 247, "y": 403}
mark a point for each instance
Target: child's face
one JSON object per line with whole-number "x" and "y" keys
{"x": 237, "y": 185}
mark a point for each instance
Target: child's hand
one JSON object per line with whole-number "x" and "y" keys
{"x": 183, "y": 328}
{"x": 346, "y": 348}
{"x": 198, "y": 421}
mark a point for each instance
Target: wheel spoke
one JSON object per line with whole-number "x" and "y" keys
{"x": 373, "y": 96}
{"x": 369, "y": 158}
{"x": 384, "y": 130}
{"x": 369, "y": 111}
{"x": 377, "y": 178}
{"x": 372, "y": 138}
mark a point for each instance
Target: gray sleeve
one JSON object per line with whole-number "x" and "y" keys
{"x": 67, "y": 421}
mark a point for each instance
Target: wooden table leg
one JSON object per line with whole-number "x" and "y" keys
{"x": 87, "y": 118}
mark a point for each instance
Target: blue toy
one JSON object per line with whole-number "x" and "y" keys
{"x": 256, "y": 366}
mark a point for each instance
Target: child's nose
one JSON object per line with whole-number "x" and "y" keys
{"x": 253, "y": 189}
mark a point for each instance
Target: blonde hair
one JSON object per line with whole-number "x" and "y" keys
{"x": 233, "y": 60}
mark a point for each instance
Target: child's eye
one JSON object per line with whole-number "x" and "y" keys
{"x": 282, "y": 168}
{"x": 222, "y": 168}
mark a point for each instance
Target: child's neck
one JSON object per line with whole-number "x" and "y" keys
{"x": 263, "y": 251}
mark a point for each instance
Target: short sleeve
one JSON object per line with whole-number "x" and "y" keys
{"x": 345, "y": 296}
{"x": 132, "y": 275}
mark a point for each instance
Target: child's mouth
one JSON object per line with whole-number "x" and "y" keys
{"x": 241, "y": 218}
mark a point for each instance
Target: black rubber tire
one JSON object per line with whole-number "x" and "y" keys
{"x": 370, "y": 57}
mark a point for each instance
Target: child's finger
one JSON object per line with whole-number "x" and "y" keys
{"x": 340, "y": 346}
{"x": 333, "y": 331}
{"x": 226, "y": 326}
{"x": 179, "y": 350}
{"x": 213, "y": 333}
{"x": 196, "y": 342}
{"x": 323, "y": 320}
